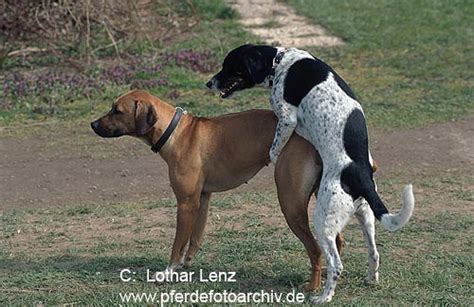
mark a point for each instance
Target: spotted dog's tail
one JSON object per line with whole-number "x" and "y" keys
{"x": 391, "y": 221}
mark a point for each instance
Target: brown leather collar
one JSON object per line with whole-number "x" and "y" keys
{"x": 169, "y": 130}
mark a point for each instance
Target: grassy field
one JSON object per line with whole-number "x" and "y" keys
{"x": 74, "y": 254}
{"x": 411, "y": 63}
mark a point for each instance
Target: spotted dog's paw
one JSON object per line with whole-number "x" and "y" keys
{"x": 315, "y": 299}
{"x": 372, "y": 278}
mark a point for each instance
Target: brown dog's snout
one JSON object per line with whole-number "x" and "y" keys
{"x": 105, "y": 130}
{"x": 95, "y": 125}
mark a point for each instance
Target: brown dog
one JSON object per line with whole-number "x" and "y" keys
{"x": 206, "y": 155}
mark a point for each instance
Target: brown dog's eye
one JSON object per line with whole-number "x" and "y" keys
{"x": 115, "y": 110}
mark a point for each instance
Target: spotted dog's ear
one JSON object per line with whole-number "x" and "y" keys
{"x": 255, "y": 63}
{"x": 145, "y": 117}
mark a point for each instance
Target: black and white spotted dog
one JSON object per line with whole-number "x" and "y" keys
{"x": 308, "y": 95}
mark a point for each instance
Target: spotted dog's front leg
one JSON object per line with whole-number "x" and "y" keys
{"x": 287, "y": 121}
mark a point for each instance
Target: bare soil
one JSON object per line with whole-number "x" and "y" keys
{"x": 278, "y": 24}
{"x": 56, "y": 166}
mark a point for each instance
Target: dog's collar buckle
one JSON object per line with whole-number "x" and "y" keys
{"x": 169, "y": 130}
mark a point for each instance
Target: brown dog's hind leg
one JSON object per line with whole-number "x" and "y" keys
{"x": 340, "y": 243}
{"x": 298, "y": 222}
{"x": 198, "y": 230}
{"x": 297, "y": 176}
{"x": 297, "y": 173}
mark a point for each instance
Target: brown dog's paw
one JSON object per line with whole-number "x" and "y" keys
{"x": 310, "y": 287}
{"x": 315, "y": 282}
{"x": 188, "y": 262}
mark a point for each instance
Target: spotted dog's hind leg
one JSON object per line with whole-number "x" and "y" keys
{"x": 287, "y": 120}
{"x": 330, "y": 216}
{"x": 366, "y": 219}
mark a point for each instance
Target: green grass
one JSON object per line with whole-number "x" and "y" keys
{"x": 410, "y": 62}
{"x": 270, "y": 24}
{"x": 74, "y": 254}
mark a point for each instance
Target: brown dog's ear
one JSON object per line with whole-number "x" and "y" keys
{"x": 145, "y": 117}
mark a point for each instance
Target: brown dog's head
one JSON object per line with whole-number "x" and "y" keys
{"x": 131, "y": 114}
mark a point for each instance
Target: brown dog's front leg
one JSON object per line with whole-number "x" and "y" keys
{"x": 198, "y": 231}
{"x": 340, "y": 243}
{"x": 187, "y": 214}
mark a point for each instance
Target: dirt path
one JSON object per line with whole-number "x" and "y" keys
{"x": 57, "y": 168}
{"x": 436, "y": 149}
{"x": 279, "y": 24}
{"x": 53, "y": 169}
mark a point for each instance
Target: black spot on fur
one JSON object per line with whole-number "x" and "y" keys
{"x": 356, "y": 141}
{"x": 342, "y": 84}
{"x": 301, "y": 77}
{"x": 305, "y": 74}
{"x": 351, "y": 180}
{"x": 356, "y": 178}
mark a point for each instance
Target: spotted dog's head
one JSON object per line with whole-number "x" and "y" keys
{"x": 131, "y": 114}
{"x": 244, "y": 67}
